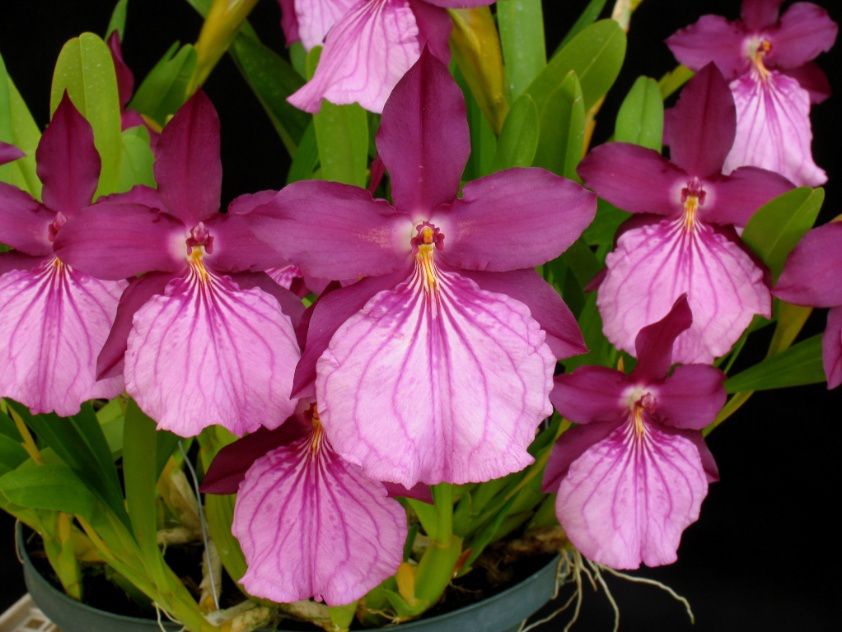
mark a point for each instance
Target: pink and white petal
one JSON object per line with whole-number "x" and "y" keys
{"x": 460, "y": 4}
{"x": 514, "y": 219}
{"x": 440, "y": 384}
{"x": 424, "y": 139}
{"x": 711, "y": 39}
{"x": 654, "y": 343}
{"x": 813, "y": 79}
{"x": 627, "y": 499}
{"x": 434, "y": 28}
{"x": 569, "y": 447}
{"x": 653, "y": 264}
{"x": 591, "y": 394}
{"x": 206, "y": 352}
{"x": 812, "y": 272}
{"x": 53, "y": 322}
{"x": 290, "y": 303}
{"x": 708, "y": 462}
{"x": 832, "y": 348}
{"x": 24, "y": 222}
{"x": 734, "y": 198}
{"x": 8, "y": 153}
{"x": 316, "y": 17}
{"x": 312, "y": 525}
{"x": 284, "y": 275}
{"x": 188, "y": 168}
{"x": 67, "y": 160}
{"x": 365, "y": 54}
{"x": 545, "y": 304}
{"x": 691, "y": 397}
{"x": 773, "y": 128}
{"x": 760, "y": 14}
{"x": 804, "y": 32}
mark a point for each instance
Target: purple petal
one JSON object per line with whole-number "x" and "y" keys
{"x": 333, "y": 231}
{"x": 206, "y": 352}
{"x": 432, "y": 383}
{"x": 627, "y": 499}
{"x": 711, "y": 39}
{"x": 67, "y": 161}
{"x": 460, "y": 4}
{"x": 187, "y": 165}
{"x": 514, "y": 219}
{"x": 804, "y": 32}
{"x": 315, "y": 18}
{"x": 125, "y": 77}
{"x": 419, "y": 492}
{"x": 813, "y": 79}
{"x": 708, "y": 462}
{"x": 235, "y": 247}
{"x": 8, "y": 153}
{"x": 591, "y": 394}
{"x": 703, "y": 124}
{"x": 654, "y": 344}
{"x": 691, "y": 397}
{"x": 811, "y": 275}
{"x": 759, "y": 14}
{"x": 423, "y": 138}
{"x": 139, "y": 291}
{"x": 546, "y": 306}
{"x": 289, "y": 22}
{"x": 284, "y": 275}
{"x": 53, "y": 322}
{"x": 24, "y": 223}
{"x": 570, "y": 446}
{"x": 633, "y": 178}
{"x": 656, "y": 262}
{"x": 365, "y": 54}
{"x": 832, "y": 348}
{"x": 118, "y": 238}
{"x": 289, "y": 302}
{"x": 434, "y": 28}
{"x": 18, "y": 261}
{"x": 329, "y": 313}
{"x": 773, "y": 128}
{"x": 312, "y": 525}
{"x": 733, "y": 199}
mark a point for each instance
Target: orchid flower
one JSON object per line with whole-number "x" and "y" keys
{"x": 768, "y": 60}
{"x": 368, "y": 45}
{"x": 438, "y": 365}
{"x": 632, "y": 475}
{"x": 54, "y": 318}
{"x": 206, "y": 335}
{"x": 310, "y": 524}
{"x": 683, "y": 242}
{"x": 812, "y": 277}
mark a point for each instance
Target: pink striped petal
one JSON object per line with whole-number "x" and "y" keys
{"x": 656, "y": 262}
{"x": 312, "y": 525}
{"x": 284, "y": 275}
{"x": 365, "y": 54}
{"x": 813, "y": 79}
{"x": 773, "y": 128}
{"x": 627, "y": 499}
{"x": 316, "y": 17}
{"x": 460, "y": 4}
{"x": 570, "y": 447}
{"x": 434, "y": 28}
{"x": 206, "y": 352}
{"x": 812, "y": 272}
{"x": 53, "y": 322}
{"x": 24, "y": 223}
{"x": 804, "y": 32}
{"x": 436, "y": 383}
{"x": 832, "y": 348}
{"x": 711, "y": 39}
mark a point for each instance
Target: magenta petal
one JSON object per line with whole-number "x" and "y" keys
{"x": 832, "y": 348}
{"x": 110, "y": 360}
{"x": 656, "y": 262}
{"x": 187, "y": 165}
{"x": 67, "y": 161}
{"x": 703, "y": 124}
{"x": 804, "y": 32}
{"x": 8, "y": 153}
{"x": 545, "y": 304}
{"x": 436, "y": 384}
{"x": 570, "y": 446}
{"x": 53, "y": 322}
{"x": 24, "y": 223}
{"x": 733, "y": 199}
{"x": 711, "y": 39}
{"x": 514, "y": 219}
{"x": 759, "y": 14}
{"x": 418, "y": 492}
{"x": 708, "y": 462}
{"x": 633, "y": 178}
{"x": 627, "y": 499}
{"x": 434, "y": 28}
{"x": 125, "y": 78}
{"x": 289, "y": 22}
{"x": 691, "y": 397}
{"x": 118, "y": 238}
{"x": 813, "y": 79}
{"x": 591, "y": 394}
{"x": 653, "y": 345}
{"x": 18, "y": 261}
{"x": 312, "y": 525}
{"x": 235, "y": 246}
{"x": 811, "y": 275}
{"x": 460, "y": 4}
{"x": 332, "y": 230}
{"x": 423, "y": 138}
{"x": 773, "y": 128}
{"x": 315, "y": 18}
{"x": 365, "y": 54}
{"x": 206, "y": 352}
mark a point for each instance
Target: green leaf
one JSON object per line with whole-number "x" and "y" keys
{"x": 18, "y": 128}
{"x": 775, "y": 229}
{"x": 118, "y": 19}
{"x": 586, "y": 18}
{"x": 342, "y": 139}
{"x": 562, "y": 124}
{"x": 12, "y": 454}
{"x": 306, "y": 157}
{"x": 164, "y": 89}
{"x": 641, "y": 117}
{"x": 521, "y": 24}
{"x": 673, "y": 80}
{"x": 518, "y": 141}
{"x": 85, "y": 71}
{"x": 136, "y": 165}
{"x": 800, "y": 364}
{"x": 140, "y": 477}
{"x": 51, "y": 486}
{"x": 602, "y": 230}
{"x": 219, "y": 512}
{"x": 483, "y": 139}
{"x": 426, "y": 516}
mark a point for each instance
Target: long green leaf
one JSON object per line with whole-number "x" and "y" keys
{"x": 12, "y": 454}
{"x": 118, "y": 19}
{"x": 518, "y": 141}
{"x": 640, "y": 119}
{"x": 85, "y": 71}
{"x": 50, "y": 486}
{"x": 588, "y": 16}
{"x": 521, "y": 24}
{"x": 137, "y": 161}
{"x": 342, "y": 138}
{"x": 139, "y": 458}
{"x": 800, "y": 364}
{"x": 164, "y": 89}
{"x": 18, "y": 128}
{"x": 562, "y": 124}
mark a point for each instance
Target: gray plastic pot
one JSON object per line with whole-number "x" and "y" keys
{"x": 501, "y": 613}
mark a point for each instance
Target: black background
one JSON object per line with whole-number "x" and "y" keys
{"x": 765, "y": 554}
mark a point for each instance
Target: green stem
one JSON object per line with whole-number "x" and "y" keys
{"x": 443, "y": 500}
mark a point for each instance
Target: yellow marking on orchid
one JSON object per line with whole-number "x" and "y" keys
{"x": 318, "y": 431}
{"x": 691, "y": 206}
{"x": 637, "y": 418}
{"x": 425, "y": 260}
{"x": 762, "y": 49}
{"x": 195, "y": 257}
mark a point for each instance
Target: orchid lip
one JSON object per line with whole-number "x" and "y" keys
{"x": 757, "y": 48}
{"x": 692, "y": 197}
{"x": 427, "y": 240}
